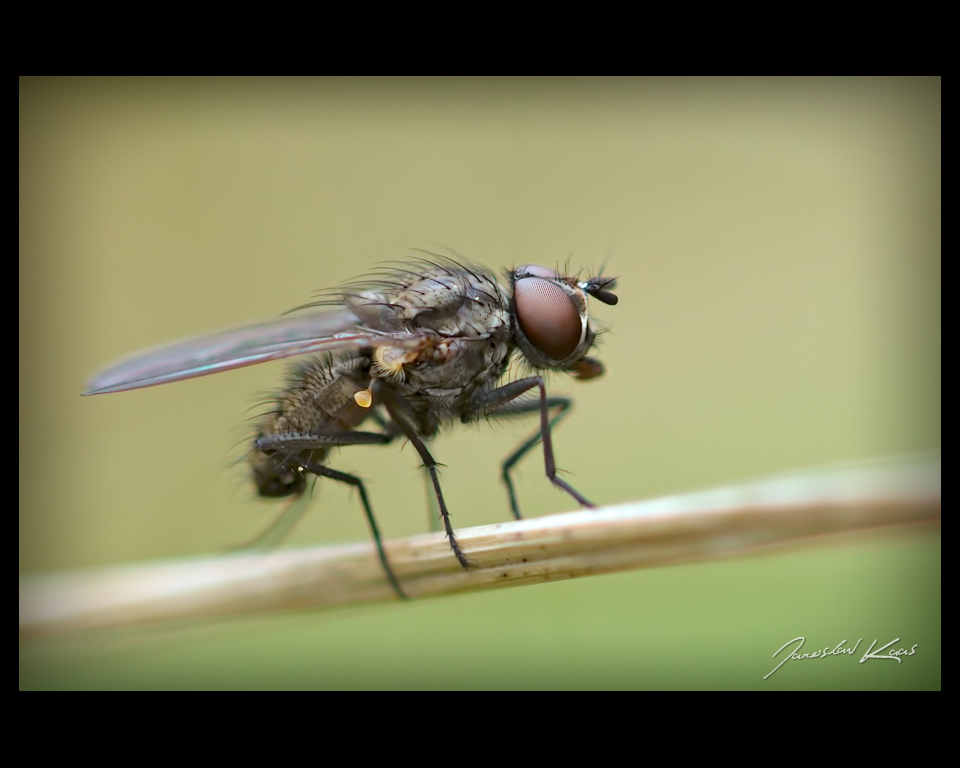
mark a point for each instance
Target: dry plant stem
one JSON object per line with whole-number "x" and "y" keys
{"x": 697, "y": 526}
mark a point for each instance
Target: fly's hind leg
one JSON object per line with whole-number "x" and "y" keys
{"x": 294, "y": 447}
{"x": 500, "y": 402}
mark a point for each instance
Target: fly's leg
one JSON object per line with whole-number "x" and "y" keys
{"x": 294, "y": 445}
{"x": 343, "y": 477}
{"x": 433, "y": 515}
{"x": 562, "y": 406}
{"x": 403, "y": 416}
{"x": 498, "y": 402}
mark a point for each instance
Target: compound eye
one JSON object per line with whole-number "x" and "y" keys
{"x": 547, "y": 316}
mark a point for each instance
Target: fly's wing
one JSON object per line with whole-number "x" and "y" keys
{"x": 286, "y": 337}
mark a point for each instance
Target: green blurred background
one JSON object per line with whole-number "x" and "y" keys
{"x": 778, "y": 248}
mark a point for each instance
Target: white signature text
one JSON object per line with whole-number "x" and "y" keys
{"x": 839, "y": 650}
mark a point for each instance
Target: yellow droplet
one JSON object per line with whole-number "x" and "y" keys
{"x": 363, "y": 398}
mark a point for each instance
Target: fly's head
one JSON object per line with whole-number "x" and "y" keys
{"x": 552, "y": 323}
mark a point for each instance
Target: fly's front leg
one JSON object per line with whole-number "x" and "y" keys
{"x": 294, "y": 445}
{"x": 403, "y": 416}
{"x": 562, "y": 406}
{"x": 499, "y": 402}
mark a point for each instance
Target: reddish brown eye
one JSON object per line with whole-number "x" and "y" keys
{"x": 547, "y": 316}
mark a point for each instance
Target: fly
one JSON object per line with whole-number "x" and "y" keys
{"x": 412, "y": 348}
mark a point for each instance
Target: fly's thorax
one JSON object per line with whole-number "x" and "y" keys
{"x": 453, "y": 327}
{"x": 437, "y": 359}
{"x": 447, "y": 298}
{"x": 442, "y": 390}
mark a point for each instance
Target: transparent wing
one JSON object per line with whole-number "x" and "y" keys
{"x": 294, "y": 335}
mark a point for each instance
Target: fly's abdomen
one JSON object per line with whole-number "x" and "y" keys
{"x": 318, "y": 400}
{"x": 274, "y": 477}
